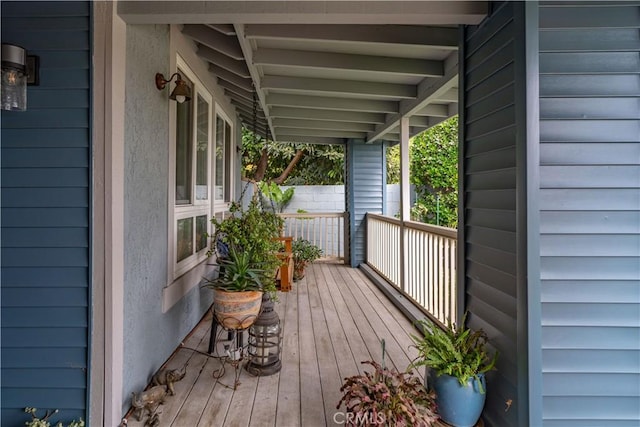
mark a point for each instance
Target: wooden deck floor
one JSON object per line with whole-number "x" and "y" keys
{"x": 332, "y": 319}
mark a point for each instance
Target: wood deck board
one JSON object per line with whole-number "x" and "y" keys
{"x": 331, "y": 321}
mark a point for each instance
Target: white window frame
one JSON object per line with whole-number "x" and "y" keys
{"x": 196, "y": 207}
{"x": 222, "y": 204}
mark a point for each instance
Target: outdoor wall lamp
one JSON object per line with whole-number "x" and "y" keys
{"x": 181, "y": 92}
{"x": 14, "y": 78}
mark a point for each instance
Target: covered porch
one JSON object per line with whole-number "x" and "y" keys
{"x": 332, "y": 320}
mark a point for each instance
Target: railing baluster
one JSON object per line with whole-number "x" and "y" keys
{"x": 431, "y": 276}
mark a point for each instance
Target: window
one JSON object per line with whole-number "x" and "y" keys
{"x": 193, "y": 142}
{"x": 223, "y": 158}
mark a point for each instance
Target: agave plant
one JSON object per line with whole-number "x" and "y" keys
{"x": 238, "y": 273}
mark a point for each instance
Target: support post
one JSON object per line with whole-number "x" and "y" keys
{"x": 405, "y": 201}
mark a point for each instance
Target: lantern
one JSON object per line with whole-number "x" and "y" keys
{"x": 265, "y": 342}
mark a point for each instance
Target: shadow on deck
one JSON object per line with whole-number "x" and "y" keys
{"x": 332, "y": 320}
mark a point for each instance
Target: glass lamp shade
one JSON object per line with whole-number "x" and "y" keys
{"x": 13, "y": 90}
{"x": 265, "y": 342}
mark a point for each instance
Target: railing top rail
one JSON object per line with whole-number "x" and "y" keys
{"x": 433, "y": 229}
{"x": 384, "y": 218}
{"x": 312, "y": 215}
{"x": 451, "y": 233}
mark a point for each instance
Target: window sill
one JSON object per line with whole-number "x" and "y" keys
{"x": 181, "y": 286}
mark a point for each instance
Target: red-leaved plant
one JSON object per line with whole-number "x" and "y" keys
{"x": 387, "y": 397}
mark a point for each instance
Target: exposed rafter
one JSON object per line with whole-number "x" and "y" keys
{"x": 311, "y": 139}
{"x": 428, "y": 91}
{"x": 329, "y": 103}
{"x": 440, "y": 37}
{"x": 221, "y": 60}
{"x": 333, "y": 115}
{"x": 247, "y": 94}
{"x": 320, "y": 124}
{"x": 436, "y": 110}
{"x": 342, "y": 61}
{"x": 226, "y": 29}
{"x": 335, "y": 86}
{"x": 224, "y": 74}
{"x": 320, "y": 132}
{"x": 215, "y": 40}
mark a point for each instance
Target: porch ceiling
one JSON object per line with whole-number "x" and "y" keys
{"x": 326, "y": 71}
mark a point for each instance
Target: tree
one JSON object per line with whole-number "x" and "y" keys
{"x": 290, "y": 163}
{"x": 393, "y": 164}
{"x": 434, "y": 172}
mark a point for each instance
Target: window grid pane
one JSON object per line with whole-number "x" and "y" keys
{"x": 202, "y": 150}
{"x": 184, "y": 149}
{"x": 220, "y": 140}
{"x": 227, "y": 162}
{"x": 201, "y": 232}
{"x": 184, "y": 243}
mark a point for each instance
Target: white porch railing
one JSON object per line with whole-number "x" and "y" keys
{"x": 428, "y": 265}
{"x": 325, "y": 230}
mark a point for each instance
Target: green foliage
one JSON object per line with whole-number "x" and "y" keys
{"x": 250, "y": 232}
{"x": 321, "y": 164}
{"x": 36, "y": 421}
{"x": 388, "y": 397}
{"x": 238, "y": 273}
{"x": 274, "y": 193}
{"x": 305, "y": 251}
{"x": 393, "y": 164}
{"x": 434, "y": 172}
{"x": 458, "y": 352}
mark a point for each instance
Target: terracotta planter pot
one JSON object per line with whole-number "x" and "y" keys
{"x": 298, "y": 270}
{"x": 236, "y": 310}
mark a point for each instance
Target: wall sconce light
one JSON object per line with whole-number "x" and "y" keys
{"x": 181, "y": 92}
{"x": 14, "y": 78}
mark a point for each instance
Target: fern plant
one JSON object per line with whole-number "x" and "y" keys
{"x": 455, "y": 351}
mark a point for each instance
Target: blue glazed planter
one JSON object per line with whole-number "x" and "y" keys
{"x": 458, "y": 405}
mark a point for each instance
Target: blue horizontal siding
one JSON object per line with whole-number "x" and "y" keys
{"x": 365, "y": 191}
{"x": 37, "y": 9}
{"x": 45, "y": 216}
{"x": 49, "y": 357}
{"x": 45, "y": 138}
{"x": 45, "y": 197}
{"x": 48, "y": 337}
{"x": 46, "y": 177}
{"x": 47, "y": 297}
{"x": 43, "y": 317}
{"x": 25, "y": 378}
{"x": 46, "y": 237}
{"x": 52, "y": 276}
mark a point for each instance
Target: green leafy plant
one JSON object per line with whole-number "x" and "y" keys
{"x": 455, "y": 351}
{"x": 274, "y": 193}
{"x": 387, "y": 397}
{"x": 36, "y": 421}
{"x": 238, "y": 273}
{"x": 250, "y": 232}
{"x": 305, "y": 251}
